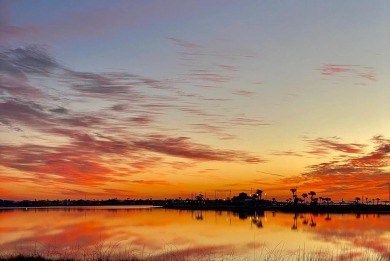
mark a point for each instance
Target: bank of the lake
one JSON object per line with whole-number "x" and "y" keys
{"x": 291, "y": 208}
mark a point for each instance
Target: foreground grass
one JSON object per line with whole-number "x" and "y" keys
{"x": 212, "y": 258}
{"x": 111, "y": 252}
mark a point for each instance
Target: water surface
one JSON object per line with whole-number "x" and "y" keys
{"x": 157, "y": 231}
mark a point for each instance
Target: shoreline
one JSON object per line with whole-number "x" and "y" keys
{"x": 374, "y": 209}
{"x": 379, "y": 209}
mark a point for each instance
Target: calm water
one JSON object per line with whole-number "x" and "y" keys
{"x": 154, "y": 231}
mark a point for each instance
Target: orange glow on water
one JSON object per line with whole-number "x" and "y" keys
{"x": 193, "y": 231}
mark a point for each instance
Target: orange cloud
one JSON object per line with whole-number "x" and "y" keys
{"x": 351, "y": 176}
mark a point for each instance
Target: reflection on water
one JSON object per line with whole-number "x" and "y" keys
{"x": 192, "y": 232}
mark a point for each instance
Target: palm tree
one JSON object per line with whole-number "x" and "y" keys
{"x": 377, "y": 201}
{"x": 304, "y": 196}
{"x": 294, "y": 191}
{"x": 357, "y": 199}
{"x": 259, "y": 193}
{"x": 312, "y": 194}
{"x": 199, "y": 198}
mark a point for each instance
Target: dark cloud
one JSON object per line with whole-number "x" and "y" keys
{"x": 59, "y": 110}
{"x": 31, "y": 59}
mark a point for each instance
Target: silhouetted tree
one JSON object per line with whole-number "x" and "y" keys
{"x": 304, "y": 196}
{"x": 312, "y": 194}
{"x": 293, "y": 191}
{"x": 199, "y": 198}
{"x": 241, "y": 196}
{"x": 357, "y": 199}
{"x": 377, "y": 201}
{"x": 259, "y": 194}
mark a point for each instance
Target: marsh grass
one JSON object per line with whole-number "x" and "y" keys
{"x": 115, "y": 252}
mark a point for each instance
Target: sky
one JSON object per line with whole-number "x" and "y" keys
{"x": 166, "y": 99}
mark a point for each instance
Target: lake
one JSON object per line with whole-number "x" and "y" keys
{"x": 82, "y": 232}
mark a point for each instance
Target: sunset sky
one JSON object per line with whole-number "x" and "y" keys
{"x": 165, "y": 98}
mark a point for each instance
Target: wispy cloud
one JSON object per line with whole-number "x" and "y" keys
{"x": 245, "y": 93}
{"x": 288, "y": 153}
{"x": 355, "y": 71}
{"x": 183, "y": 43}
{"x": 321, "y": 146}
{"x": 185, "y": 148}
{"x": 101, "y": 128}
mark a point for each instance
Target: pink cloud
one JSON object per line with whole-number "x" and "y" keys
{"x": 244, "y": 93}
{"x": 357, "y": 71}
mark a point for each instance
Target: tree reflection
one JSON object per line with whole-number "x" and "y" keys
{"x": 295, "y": 222}
{"x": 199, "y": 215}
{"x": 305, "y": 220}
{"x": 312, "y": 222}
{"x": 257, "y": 219}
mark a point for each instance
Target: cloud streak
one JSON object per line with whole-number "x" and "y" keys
{"x": 183, "y": 147}
{"x": 342, "y": 70}
{"x": 322, "y": 146}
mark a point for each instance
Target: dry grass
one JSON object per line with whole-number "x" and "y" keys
{"x": 114, "y": 252}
